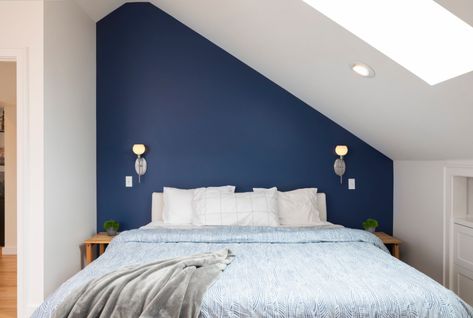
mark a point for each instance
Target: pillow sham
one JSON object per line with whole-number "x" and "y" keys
{"x": 245, "y": 209}
{"x": 177, "y": 203}
{"x": 296, "y": 207}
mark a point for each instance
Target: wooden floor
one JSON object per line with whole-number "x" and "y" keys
{"x": 7, "y": 286}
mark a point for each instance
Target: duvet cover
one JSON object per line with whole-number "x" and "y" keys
{"x": 284, "y": 272}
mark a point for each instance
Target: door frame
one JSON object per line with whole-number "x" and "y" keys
{"x": 452, "y": 169}
{"x": 20, "y": 57}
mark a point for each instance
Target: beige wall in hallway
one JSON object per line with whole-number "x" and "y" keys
{"x": 10, "y": 179}
{"x": 8, "y": 101}
{"x": 7, "y": 83}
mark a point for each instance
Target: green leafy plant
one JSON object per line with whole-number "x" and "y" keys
{"x": 370, "y": 224}
{"x": 111, "y": 224}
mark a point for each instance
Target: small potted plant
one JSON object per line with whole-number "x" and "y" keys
{"x": 111, "y": 227}
{"x": 370, "y": 225}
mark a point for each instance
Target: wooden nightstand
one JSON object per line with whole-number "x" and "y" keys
{"x": 101, "y": 239}
{"x": 390, "y": 242}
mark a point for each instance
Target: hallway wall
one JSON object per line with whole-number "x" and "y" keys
{"x": 10, "y": 180}
{"x": 8, "y": 101}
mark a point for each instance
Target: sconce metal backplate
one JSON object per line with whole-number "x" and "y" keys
{"x": 339, "y": 167}
{"x": 140, "y": 167}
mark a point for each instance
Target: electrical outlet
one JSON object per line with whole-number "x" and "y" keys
{"x": 351, "y": 184}
{"x": 129, "y": 181}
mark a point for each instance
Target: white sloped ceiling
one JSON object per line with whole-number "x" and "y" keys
{"x": 310, "y": 56}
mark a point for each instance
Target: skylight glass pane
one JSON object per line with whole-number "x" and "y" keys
{"x": 420, "y": 35}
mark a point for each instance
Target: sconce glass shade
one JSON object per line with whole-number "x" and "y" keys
{"x": 339, "y": 166}
{"x": 140, "y": 163}
{"x": 139, "y": 149}
{"x": 341, "y": 150}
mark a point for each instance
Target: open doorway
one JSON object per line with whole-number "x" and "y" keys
{"x": 8, "y": 176}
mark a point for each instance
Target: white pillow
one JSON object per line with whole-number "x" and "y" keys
{"x": 177, "y": 203}
{"x": 248, "y": 208}
{"x": 297, "y": 207}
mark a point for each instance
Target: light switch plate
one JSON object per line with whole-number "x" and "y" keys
{"x": 351, "y": 184}
{"x": 129, "y": 181}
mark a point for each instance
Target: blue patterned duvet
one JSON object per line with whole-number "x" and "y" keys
{"x": 285, "y": 272}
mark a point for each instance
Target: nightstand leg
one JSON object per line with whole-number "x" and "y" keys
{"x": 101, "y": 248}
{"x": 88, "y": 253}
{"x": 396, "y": 252}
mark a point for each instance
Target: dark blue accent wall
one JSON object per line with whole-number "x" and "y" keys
{"x": 209, "y": 119}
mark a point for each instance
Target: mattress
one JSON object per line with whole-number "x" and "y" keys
{"x": 322, "y": 271}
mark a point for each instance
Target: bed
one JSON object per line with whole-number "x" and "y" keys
{"x": 318, "y": 271}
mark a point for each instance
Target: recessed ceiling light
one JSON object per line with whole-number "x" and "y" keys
{"x": 421, "y": 35}
{"x": 363, "y": 70}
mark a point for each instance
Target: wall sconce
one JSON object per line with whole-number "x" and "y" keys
{"x": 339, "y": 165}
{"x": 140, "y": 163}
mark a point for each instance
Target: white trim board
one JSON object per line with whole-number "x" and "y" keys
{"x": 20, "y": 57}
{"x": 22, "y": 34}
{"x": 451, "y": 169}
{"x": 30, "y": 309}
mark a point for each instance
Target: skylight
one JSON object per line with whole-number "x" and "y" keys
{"x": 420, "y": 35}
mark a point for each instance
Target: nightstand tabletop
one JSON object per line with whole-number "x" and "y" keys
{"x": 100, "y": 238}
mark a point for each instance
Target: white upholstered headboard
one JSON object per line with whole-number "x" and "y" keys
{"x": 157, "y": 207}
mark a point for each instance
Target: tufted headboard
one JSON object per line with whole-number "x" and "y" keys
{"x": 157, "y": 206}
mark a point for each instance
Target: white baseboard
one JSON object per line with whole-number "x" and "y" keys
{"x": 29, "y": 310}
{"x": 9, "y": 250}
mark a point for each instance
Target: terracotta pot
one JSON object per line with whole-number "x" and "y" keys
{"x": 111, "y": 231}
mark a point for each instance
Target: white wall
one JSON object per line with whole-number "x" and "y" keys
{"x": 418, "y": 214}
{"x": 8, "y": 102}
{"x": 70, "y": 134}
{"x": 21, "y": 27}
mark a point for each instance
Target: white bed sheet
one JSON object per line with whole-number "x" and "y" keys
{"x": 154, "y": 225}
